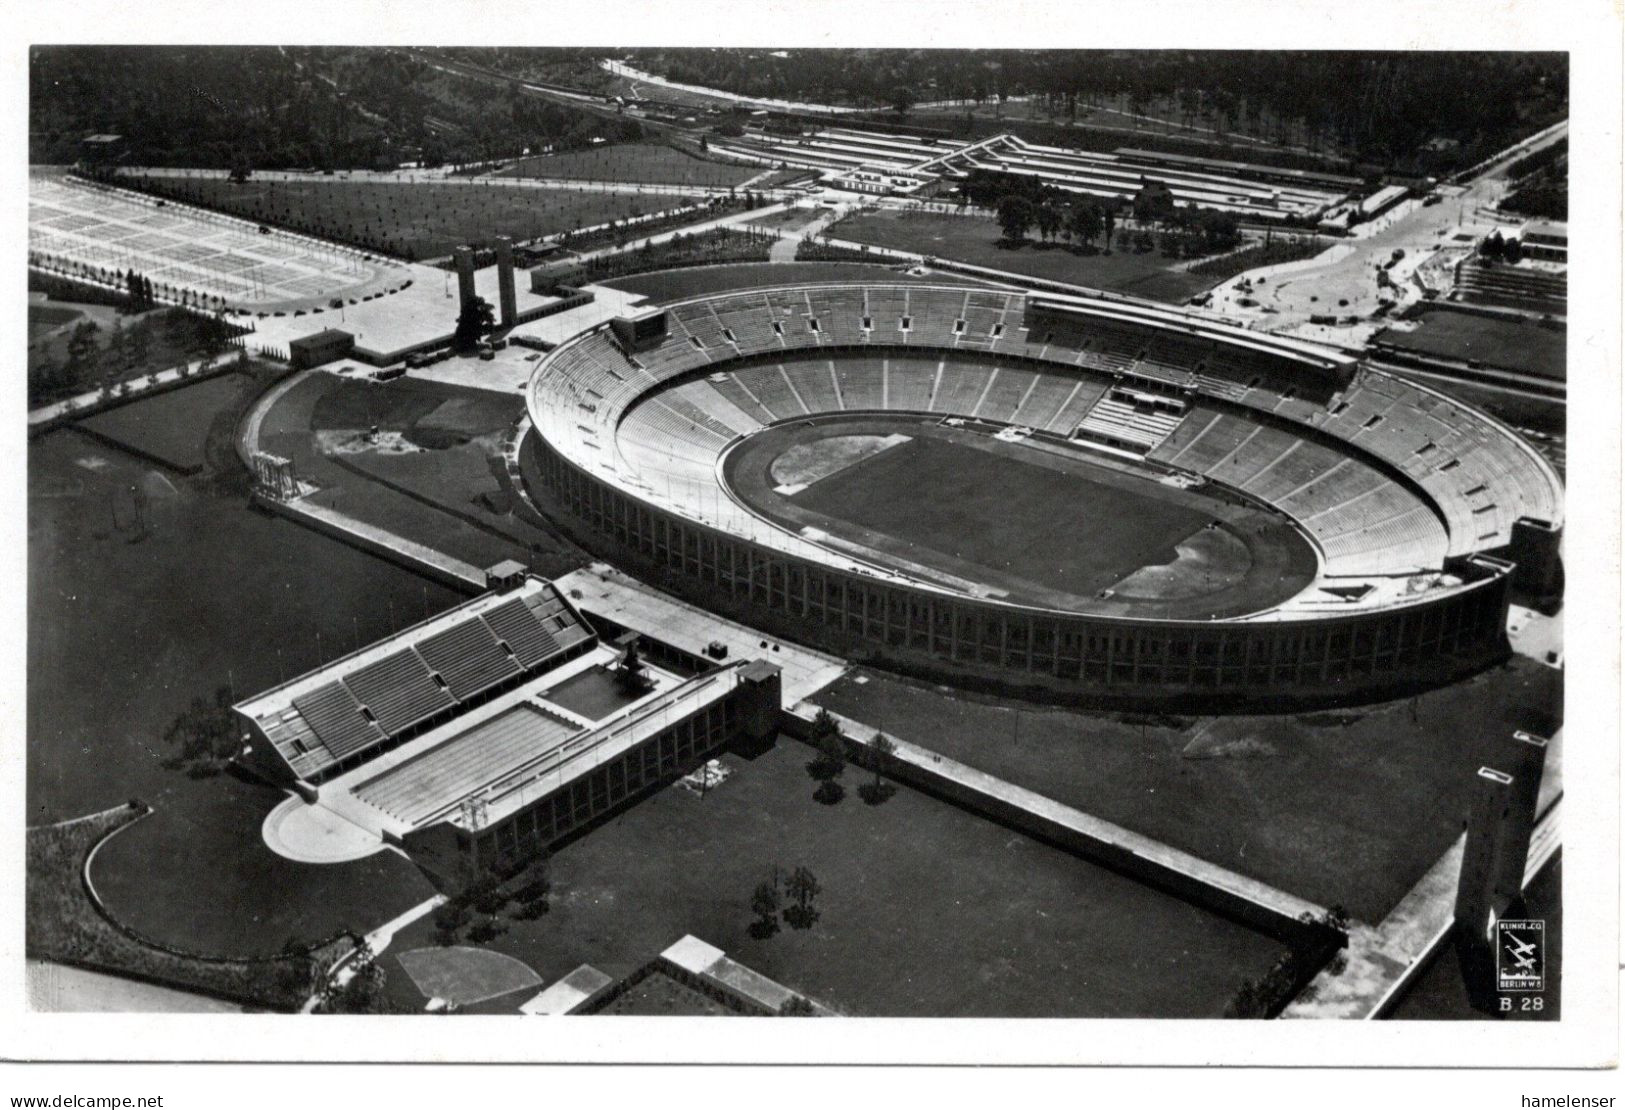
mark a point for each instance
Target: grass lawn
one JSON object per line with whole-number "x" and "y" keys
{"x": 171, "y": 427}
{"x": 672, "y": 285}
{"x": 975, "y": 240}
{"x": 1347, "y": 807}
{"x": 47, "y": 318}
{"x": 64, "y": 924}
{"x": 659, "y": 995}
{"x": 926, "y": 909}
{"x": 125, "y": 629}
{"x": 1522, "y": 345}
{"x": 646, "y": 163}
{"x": 421, "y": 219}
{"x": 1000, "y": 512}
{"x": 171, "y": 337}
{"x": 791, "y": 218}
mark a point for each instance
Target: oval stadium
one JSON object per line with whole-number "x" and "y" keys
{"x": 1065, "y": 496}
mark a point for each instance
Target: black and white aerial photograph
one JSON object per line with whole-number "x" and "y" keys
{"x": 575, "y": 526}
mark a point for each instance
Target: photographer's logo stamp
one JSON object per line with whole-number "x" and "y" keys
{"x": 1520, "y": 955}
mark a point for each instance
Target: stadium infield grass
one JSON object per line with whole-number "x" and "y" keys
{"x": 976, "y": 240}
{"x": 1347, "y": 807}
{"x": 980, "y": 501}
{"x": 926, "y": 909}
{"x": 126, "y": 628}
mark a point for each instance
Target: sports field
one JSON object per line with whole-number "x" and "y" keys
{"x": 648, "y": 163}
{"x": 465, "y": 975}
{"x": 1008, "y": 520}
{"x": 127, "y": 626}
{"x": 975, "y": 239}
{"x": 1379, "y": 791}
{"x": 921, "y": 906}
{"x": 1525, "y": 346}
{"x": 414, "y": 220}
{"x": 1001, "y": 512}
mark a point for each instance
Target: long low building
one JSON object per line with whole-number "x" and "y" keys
{"x": 877, "y": 163}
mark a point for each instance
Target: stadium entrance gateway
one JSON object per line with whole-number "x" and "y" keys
{"x": 490, "y": 731}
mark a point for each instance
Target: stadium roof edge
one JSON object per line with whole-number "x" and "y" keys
{"x": 1229, "y": 333}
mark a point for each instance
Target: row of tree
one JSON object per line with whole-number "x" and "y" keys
{"x": 95, "y": 357}
{"x": 1184, "y": 231}
{"x": 1376, "y": 106}
{"x": 235, "y": 107}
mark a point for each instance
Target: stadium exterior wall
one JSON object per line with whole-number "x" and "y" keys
{"x": 1289, "y": 663}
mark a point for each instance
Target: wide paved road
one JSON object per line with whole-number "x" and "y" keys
{"x": 1286, "y": 300}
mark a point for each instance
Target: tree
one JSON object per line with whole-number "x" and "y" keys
{"x": 1493, "y": 247}
{"x": 206, "y": 733}
{"x": 362, "y": 992}
{"x": 802, "y": 887}
{"x": 476, "y": 318}
{"x": 880, "y": 749}
{"x": 1153, "y": 202}
{"x": 118, "y": 352}
{"x": 764, "y": 903}
{"x": 240, "y": 169}
{"x": 902, "y": 99}
{"x": 83, "y": 352}
{"x": 826, "y": 738}
{"x": 296, "y": 974}
{"x": 140, "y": 344}
{"x": 1015, "y": 217}
{"x": 1085, "y": 220}
{"x": 1109, "y": 214}
{"x": 447, "y": 920}
{"x": 630, "y": 673}
{"x": 1050, "y": 219}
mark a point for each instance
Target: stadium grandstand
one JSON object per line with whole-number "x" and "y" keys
{"x": 1412, "y": 502}
{"x": 496, "y": 728}
{"x": 319, "y": 724}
